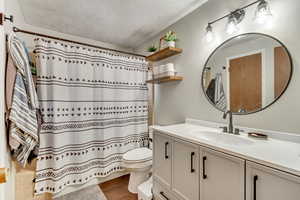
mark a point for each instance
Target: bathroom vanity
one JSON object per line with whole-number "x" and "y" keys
{"x": 192, "y": 161}
{"x": 201, "y": 161}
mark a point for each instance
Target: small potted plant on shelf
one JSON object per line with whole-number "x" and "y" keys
{"x": 152, "y": 48}
{"x": 170, "y": 38}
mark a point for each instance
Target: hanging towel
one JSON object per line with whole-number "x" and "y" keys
{"x": 220, "y": 98}
{"x": 20, "y": 58}
{"x": 210, "y": 92}
{"x": 23, "y": 115}
{"x": 10, "y": 77}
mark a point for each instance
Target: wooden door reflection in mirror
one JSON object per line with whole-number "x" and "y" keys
{"x": 245, "y": 75}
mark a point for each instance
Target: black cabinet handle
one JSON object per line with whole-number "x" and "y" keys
{"x": 255, "y": 178}
{"x": 203, "y": 164}
{"x": 192, "y": 162}
{"x": 166, "y": 150}
{"x": 163, "y": 195}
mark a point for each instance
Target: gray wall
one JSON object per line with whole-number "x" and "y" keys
{"x": 176, "y": 101}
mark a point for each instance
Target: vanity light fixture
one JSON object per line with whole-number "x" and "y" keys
{"x": 209, "y": 33}
{"x": 262, "y": 14}
{"x": 233, "y": 20}
{"x": 231, "y": 26}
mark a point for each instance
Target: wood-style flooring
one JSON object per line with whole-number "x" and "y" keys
{"x": 116, "y": 189}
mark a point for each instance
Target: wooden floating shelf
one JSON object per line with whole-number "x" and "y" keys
{"x": 166, "y": 79}
{"x": 164, "y": 53}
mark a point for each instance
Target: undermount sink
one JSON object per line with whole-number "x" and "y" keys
{"x": 221, "y": 138}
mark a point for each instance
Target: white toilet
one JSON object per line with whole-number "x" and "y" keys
{"x": 139, "y": 163}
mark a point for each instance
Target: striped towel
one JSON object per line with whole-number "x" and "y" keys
{"x": 220, "y": 98}
{"x": 23, "y": 129}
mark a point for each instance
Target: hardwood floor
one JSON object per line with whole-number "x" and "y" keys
{"x": 117, "y": 189}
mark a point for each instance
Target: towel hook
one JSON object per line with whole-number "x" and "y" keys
{"x": 5, "y": 18}
{"x": 9, "y": 18}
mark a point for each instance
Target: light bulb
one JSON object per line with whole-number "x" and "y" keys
{"x": 209, "y": 33}
{"x": 263, "y": 13}
{"x": 232, "y": 25}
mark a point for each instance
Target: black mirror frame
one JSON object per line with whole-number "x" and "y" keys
{"x": 276, "y": 99}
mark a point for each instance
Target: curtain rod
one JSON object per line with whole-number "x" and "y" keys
{"x": 15, "y": 29}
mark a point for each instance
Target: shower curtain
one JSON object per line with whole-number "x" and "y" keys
{"x": 94, "y": 108}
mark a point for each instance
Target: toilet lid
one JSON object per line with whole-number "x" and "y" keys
{"x": 139, "y": 154}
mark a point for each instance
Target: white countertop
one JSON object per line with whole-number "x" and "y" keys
{"x": 279, "y": 154}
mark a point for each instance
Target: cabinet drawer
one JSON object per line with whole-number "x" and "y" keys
{"x": 161, "y": 193}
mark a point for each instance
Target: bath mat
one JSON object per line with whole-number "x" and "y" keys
{"x": 89, "y": 193}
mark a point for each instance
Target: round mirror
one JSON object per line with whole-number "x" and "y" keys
{"x": 247, "y": 73}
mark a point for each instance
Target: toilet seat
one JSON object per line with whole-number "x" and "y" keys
{"x": 138, "y": 155}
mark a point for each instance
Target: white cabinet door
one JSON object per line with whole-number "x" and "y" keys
{"x": 222, "y": 176}
{"x": 185, "y": 170}
{"x": 162, "y": 155}
{"x": 264, "y": 183}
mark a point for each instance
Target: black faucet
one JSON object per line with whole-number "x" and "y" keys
{"x": 230, "y": 126}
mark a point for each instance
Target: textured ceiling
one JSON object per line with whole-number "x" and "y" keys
{"x": 127, "y": 23}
